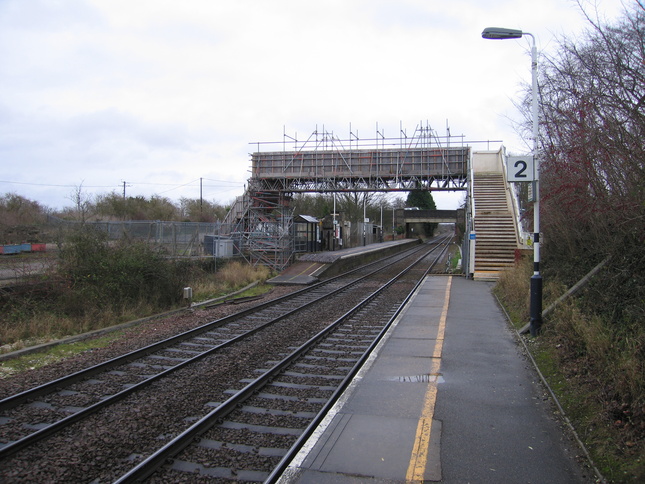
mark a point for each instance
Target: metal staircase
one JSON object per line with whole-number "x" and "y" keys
{"x": 494, "y": 224}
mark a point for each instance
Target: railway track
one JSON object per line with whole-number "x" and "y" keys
{"x": 268, "y": 345}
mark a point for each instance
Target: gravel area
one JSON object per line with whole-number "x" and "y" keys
{"x": 106, "y": 445}
{"x": 132, "y": 338}
{"x": 109, "y": 443}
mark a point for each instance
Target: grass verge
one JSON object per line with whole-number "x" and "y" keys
{"x": 595, "y": 369}
{"x": 232, "y": 277}
{"x": 53, "y": 355}
{"x": 35, "y": 318}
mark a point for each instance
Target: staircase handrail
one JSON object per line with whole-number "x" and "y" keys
{"x": 469, "y": 245}
{"x": 238, "y": 209}
{"x": 511, "y": 194}
{"x": 472, "y": 193}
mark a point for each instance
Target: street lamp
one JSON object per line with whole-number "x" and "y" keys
{"x": 536, "y": 280}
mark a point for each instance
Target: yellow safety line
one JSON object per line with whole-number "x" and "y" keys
{"x": 419, "y": 457}
{"x": 304, "y": 270}
{"x": 314, "y": 264}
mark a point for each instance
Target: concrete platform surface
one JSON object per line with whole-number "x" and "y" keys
{"x": 300, "y": 273}
{"x": 448, "y": 396}
{"x": 332, "y": 256}
{"x": 310, "y": 267}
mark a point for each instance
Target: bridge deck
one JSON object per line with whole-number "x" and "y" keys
{"x": 369, "y": 168}
{"x": 431, "y": 216}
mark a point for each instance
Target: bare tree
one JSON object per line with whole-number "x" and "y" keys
{"x": 83, "y": 203}
{"x": 592, "y": 123}
{"x": 355, "y": 204}
{"x": 197, "y": 210}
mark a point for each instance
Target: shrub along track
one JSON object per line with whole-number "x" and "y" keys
{"x": 147, "y": 398}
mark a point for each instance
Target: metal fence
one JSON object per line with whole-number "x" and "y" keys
{"x": 194, "y": 239}
{"x": 174, "y": 238}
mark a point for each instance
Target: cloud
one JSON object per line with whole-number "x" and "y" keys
{"x": 164, "y": 92}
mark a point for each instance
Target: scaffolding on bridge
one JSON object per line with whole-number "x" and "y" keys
{"x": 323, "y": 162}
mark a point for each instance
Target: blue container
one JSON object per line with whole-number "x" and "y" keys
{"x": 12, "y": 249}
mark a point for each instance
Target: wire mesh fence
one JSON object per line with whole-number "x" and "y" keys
{"x": 179, "y": 239}
{"x": 223, "y": 240}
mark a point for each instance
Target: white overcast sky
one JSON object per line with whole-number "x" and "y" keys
{"x": 161, "y": 93}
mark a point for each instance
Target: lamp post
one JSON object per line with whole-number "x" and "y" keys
{"x": 536, "y": 279}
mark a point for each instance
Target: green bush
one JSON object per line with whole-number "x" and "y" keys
{"x": 99, "y": 283}
{"x": 103, "y": 275}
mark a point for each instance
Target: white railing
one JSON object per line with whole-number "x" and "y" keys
{"x": 512, "y": 200}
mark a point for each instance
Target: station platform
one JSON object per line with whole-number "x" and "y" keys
{"x": 311, "y": 266}
{"x": 448, "y": 396}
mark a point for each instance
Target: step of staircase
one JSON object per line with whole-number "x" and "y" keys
{"x": 496, "y": 240}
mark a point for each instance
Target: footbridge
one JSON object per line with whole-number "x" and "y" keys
{"x": 262, "y": 220}
{"x": 324, "y": 163}
{"x": 335, "y": 170}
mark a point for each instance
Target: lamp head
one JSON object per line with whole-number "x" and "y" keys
{"x": 501, "y": 33}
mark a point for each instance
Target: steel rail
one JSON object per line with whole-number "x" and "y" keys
{"x": 153, "y": 462}
{"x": 55, "y": 427}
{"x": 317, "y": 420}
{"x": 17, "y": 399}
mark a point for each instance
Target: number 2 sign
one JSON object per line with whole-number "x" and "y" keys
{"x": 520, "y": 169}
